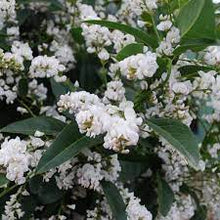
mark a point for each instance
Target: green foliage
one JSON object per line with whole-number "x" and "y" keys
{"x": 3, "y": 180}
{"x": 77, "y": 35}
{"x": 131, "y": 49}
{"x": 192, "y": 20}
{"x": 48, "y": 125}
{"x": 115, "y": 200}
{"x": 67, "y": 145}
{"x": 46, "y": 193}
{"x": 165, "y": 196}
{"x": 179, "y": 136}
{"x": 23, "y": 87}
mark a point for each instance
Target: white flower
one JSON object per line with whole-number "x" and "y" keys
{"x": 139, "y": 66}
{"x": 22, "y": 49}
{"x": 164, "y": 25}
{"x": 89, "y": 176}
{"x": 45, "y": 67}
{"x": 115, "y": 91}
{"x": 15, "y": 158}
{"x": 103, "y": 54}
{"x": 182, "y": 87}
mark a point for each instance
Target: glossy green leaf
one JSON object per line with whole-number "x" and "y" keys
{"x": 197, "y": 20}
{"x": 165, "y": 196}
{"x": 191, "y": 69}
{"x": 129, "y": 50}
{"x": 140, "y": 35}
{"x": 67, "y": 145}
{"x": 115, "y": 201}
{"x": 179, "y": 136}
{"x": 48, "y": 125}
{"x": 58, "y": 89}
{"x": 194, "y": 45}
{"x": 77, "y": 35}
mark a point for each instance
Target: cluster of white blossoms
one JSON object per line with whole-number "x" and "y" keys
{"x": 138, "y": 66}
{"x": 134, "y": 209}
{"x": 43, "y": 72}
{"x": 13, "y": 208}
{"x": 119, "y": 123}
{"x": 7, "y": 11}
{"x": 98, "y": 37}
{"x": 64, "y": 54}
{"x": 115, "y": 91}
{"x": 170, "y": 42}
{"x": 46, "y": 67}
{"x": 16, "y": 159}
{"x": 87, "y": 175}
{"x": 135, "y": 8}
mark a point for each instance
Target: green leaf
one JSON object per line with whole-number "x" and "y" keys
{"x": 67, "y": 145}
{"x": 190, "y": 69}
{"x": 165, "y": 196}
{"x": 200, "y": 213}
{"x": 194, "y": 45}
{"x": 197, "y": 20}
{"x": 131, "y": 49}
{"x": 132, "y": 169}
{"x": 115, "y": 200}
{"x": 77, "y": 35}
{"x": 140, "y": 35}
{"x": 58, "y": 89}
{"x": 48, "y": 125}
{"x": 23, "y": 87}
{"x": 3, "y": 180}
{"x": 46, "y": 192}
{"x": 179, "y": 136}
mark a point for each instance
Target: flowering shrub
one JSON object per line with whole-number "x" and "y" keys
{"x": 110, "y": 110}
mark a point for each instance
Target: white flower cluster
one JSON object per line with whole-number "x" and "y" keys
{"x": 115, "y": 91}
{"x": 7, "y": 11}
{"x": 46, "y": 67}
{"x": 13, "y": 209}
{"x": 89, "y": 174}
{"x": 10, "y": 65}
{"x": 137, "y": 7}
{"x": 212, "y": 55}
{"x": 170, "y": 42}
{"x": 134, "y": 209}
{"x": 139, "y": 66}
{"x": 64, "y": 54}
{"x": 120, "y": 123}
{"x": 174, "y": 166}
{"x": 15, "y": 158}
{"x": 98, "y": 37}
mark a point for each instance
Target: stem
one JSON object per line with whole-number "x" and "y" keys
{"x": 7, "y": 191}
{"x": 25, "y": 106}
{"x": 155, "y": 28}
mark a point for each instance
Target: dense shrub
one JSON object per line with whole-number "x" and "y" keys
{"x": 110, "y": 109}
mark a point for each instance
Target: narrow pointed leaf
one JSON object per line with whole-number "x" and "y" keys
{"x": 140, "y": 35}
{"x": 48, "y": 125}
{"x": 129, "y": 50}
{"x": 179, "y": 136}
{"x": 165, "y": 196}
{"x": 115, "y": 201}
{"x": 67, "y": 145}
